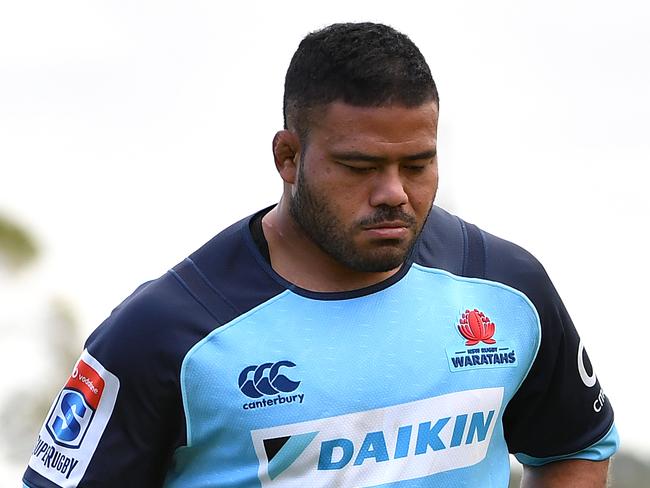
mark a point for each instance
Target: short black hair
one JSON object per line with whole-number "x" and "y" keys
{"x": 363, "y": 64}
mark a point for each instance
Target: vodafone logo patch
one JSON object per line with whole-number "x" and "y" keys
{"x": 88, "y": 382}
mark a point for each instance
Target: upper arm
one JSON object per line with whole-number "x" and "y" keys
{"x": 575, "y": 473}
{"x": 560, "y": 411}
{"x": 119, "y": 417}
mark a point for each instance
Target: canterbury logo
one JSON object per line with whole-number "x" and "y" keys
{"x": 266, "y": 379}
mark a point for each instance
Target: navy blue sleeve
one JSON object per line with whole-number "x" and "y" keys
{"x": 131, "y": 364}
{"x": 560, "y": 409}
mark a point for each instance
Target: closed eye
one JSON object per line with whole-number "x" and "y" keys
{"x": 416, "y": 168}
{"x": 357, "y": 169}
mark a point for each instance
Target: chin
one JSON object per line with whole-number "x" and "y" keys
{"x": 379, "y": 262}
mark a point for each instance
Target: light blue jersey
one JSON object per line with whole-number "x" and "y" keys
{"x": 222, "y": 374}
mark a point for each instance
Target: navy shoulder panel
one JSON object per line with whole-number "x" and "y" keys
{"x": 452, "y": 244}
{"x": 155, "y": 326}
{"x": 228, "y": 274}
{"x": 463, "y": 249}
{"x": 442, "y": 243}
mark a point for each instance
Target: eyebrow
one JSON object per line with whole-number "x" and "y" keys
{"x": 359, "y": 156}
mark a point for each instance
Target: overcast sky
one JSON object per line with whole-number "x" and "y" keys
{"x": 131, "y": 132}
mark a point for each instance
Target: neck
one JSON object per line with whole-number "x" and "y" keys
{"x": 299, "y": 260}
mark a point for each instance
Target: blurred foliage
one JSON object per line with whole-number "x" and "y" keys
{"x": 17, "y": 246}
{"x": 629, "y": 471}
{"x": 61, "y": 334}
{"x": 626, "y": 471}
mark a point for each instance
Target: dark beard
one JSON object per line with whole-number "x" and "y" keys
{"x": 317, "y": 219}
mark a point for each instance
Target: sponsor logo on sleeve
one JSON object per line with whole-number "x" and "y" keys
{"x": 481, "y": 348}
{"x": 590, "y": 379}
{"x": 74, "y": 408}
{"x": 75, "y": 423}
{"x": 385, "y": 445}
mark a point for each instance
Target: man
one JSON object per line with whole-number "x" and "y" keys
{"x": 352, "y": 335}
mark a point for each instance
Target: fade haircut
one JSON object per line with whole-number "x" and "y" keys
{"x": 363, "y": 64}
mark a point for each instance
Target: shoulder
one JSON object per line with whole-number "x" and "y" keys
{"x": 514, "y": 266}
{"x": 162, "y": 319}
{"x": 459, "y": 247}
{"x": 151, "y": 327}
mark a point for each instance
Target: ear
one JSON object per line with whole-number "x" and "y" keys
{"x": 286, "y": 151}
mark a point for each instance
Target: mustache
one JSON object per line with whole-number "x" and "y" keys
{"x": 388, "y": 214}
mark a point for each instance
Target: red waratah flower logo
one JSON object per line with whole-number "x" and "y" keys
{"x": 476, "y": 327}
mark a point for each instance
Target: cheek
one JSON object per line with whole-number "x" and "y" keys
{"x": 423, "y": 194}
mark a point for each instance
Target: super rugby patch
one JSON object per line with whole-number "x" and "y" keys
{"x": 75, "y": 423}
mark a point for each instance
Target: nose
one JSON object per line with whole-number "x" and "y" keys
{"x": 388, "y": 188}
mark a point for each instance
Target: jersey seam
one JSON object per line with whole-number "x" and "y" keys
{"x": 484, "y": 249}
{"x": 191, "y": 293}
{"x": 212, "y": 287}
{"x": 463, "y": 229}
{"x": 203, "y": 342}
